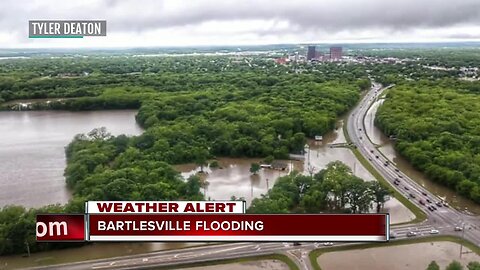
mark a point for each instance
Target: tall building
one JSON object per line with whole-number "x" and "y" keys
{"x": 335, "y": 53}
{"x": 311, "y": 52}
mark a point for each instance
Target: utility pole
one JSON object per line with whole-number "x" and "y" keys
{"x": 251, "y": 188}
{"x": 308, "y": 156}
{"x": 267, "y": 184}
{"x": 463, "y": 238}
{"x": 28, "y": 248}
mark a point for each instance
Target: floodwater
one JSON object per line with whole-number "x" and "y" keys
{"x": 251, "y": 265}
{"x": 233, "y": 177}
{"x": 32, "y": 156}
{"x": 386, "y": 146}
{"x": 403, "y": 257}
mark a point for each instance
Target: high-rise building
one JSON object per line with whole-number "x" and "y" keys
{"x": 311, "y": 52}
{"x": 335, "y": 53}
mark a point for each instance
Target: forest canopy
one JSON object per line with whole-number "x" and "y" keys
{"x": 438, "y": 130}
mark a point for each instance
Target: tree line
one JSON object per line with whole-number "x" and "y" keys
{"x": 454, "y": 265}
{"x": 437, "y": 130}
{"x": 332, "y": 190}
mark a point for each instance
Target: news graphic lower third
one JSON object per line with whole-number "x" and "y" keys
{"x": 204, "y": 221}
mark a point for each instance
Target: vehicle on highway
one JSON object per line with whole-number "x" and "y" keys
{"x": 411, "y": 195}
{"x": 439, "y": 204}
{"x": 434, "y": 231}
{"x": 411, "y": 234}
{"x": 433, "y": 207}
{"x": 445, "y": 204}
{"x": 376, "y": 156}
{"x": 458, "y": 229}
{"x": 397, "y": 170}
{"x": 393, "y": 235}
{"x": 386, "y": 164}
{"x": 396, "y": 183}
{"x": 428, "y": 200}
{"x": 424, "y": 193}
{"x": 421, "y": 202}
{"x": 430, "y": 208}
{"x": 371, "y": 151}
{"x": 400, "y": 176}
{"x": 328, "y": 244}
{"x": 406, "y": 188}
{"x": 297, "y": 243}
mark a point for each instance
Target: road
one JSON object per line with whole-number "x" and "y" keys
{"x": 444, "y": 219}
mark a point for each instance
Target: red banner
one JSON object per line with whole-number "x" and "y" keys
{"x": 238, "y": 227}
{"x": 60, "y": 227}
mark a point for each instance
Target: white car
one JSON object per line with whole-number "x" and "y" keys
{"x": 328, "y": 244}
{"x": 434, "y": 232}
{"x": 411, "y": 234}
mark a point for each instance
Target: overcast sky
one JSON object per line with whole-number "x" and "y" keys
{"x": 132, "y": 23}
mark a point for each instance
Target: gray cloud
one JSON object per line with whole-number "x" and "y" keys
{"x": 314, "y": 16}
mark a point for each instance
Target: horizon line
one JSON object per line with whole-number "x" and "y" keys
{"x": 359, "y": 42}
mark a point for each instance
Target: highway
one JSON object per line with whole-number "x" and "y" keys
{"x": 444, "y": 219}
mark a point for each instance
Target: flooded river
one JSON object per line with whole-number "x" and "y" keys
{"x": 32, "y": 157}
{"x": 385, "y": 145}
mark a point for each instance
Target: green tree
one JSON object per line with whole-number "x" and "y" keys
{"x": 455, "y": 265}
{"x": 254, "y": 168}
{"x": 473, "y": 266}
{"x": 200, "y": 155}
{"x": 433, "y": 266}
{"x": 119, "y": 189}
{"x": 380, "y": 194}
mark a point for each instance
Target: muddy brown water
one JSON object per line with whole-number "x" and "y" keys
{"x": 403, "y": 257}
{"x": 253, "y": 265}
{"x": 32, "y": 155}
{"x": 386, "y": 146}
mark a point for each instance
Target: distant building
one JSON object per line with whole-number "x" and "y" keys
{"x": 281, "y": 61}
{"x": 311, "y": 52}
{"x": 335, "y": 53}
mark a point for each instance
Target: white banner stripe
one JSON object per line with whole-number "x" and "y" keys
{"x": 165, "y": 207}
{"x": 286, "y": 238}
